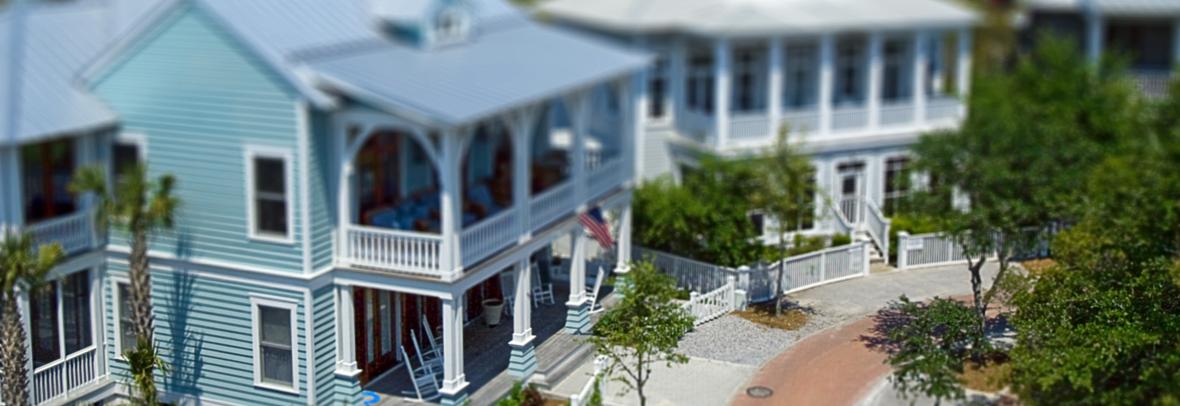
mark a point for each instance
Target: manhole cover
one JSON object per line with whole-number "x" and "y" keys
{"x": 759, "y": 392}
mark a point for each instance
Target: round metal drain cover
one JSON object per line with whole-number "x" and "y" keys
{"x": 759, "y": 392}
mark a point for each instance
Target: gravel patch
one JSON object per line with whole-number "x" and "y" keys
{"x": 733, "y": 339}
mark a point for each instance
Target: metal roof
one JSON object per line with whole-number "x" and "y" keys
{"x": 758, "y": 17}
{"x": 1114, "y": 7}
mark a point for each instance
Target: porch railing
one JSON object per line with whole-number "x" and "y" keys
{"x": 605, "y": 177}
{"x": 850, "y": 209}
{"x": 489, "y": 236}
{"x": 550, "y": 205}
{"x": 849, "y": 118}
{"x": 75, "y": 232}
{"x": 801, "y": 121}
{"x": 749, "y": 126}
{"x": 402, "y": 251}
{"x": 942, "y": 108}
{"x": 922, "y": 250}
{"x": 58, "y": 378}
{"x": 709, "y": 306}
{"x": 897, "y": 113}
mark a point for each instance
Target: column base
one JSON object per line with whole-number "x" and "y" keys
{"x": 522, "y": 362}
{"x": 454, "y": 394}
{"x": 577, "y": 318}
{"x": 455, "y": 399}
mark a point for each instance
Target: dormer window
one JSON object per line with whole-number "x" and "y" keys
{"x": 451, "y": 26}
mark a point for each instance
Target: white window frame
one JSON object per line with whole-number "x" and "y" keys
{"x": 292, "y": 307}
{"x": 118, "y": 336}
{"x": 284, "y": 154}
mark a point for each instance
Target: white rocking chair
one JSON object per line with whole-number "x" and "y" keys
{"x": 425, "y": 385}
{"x": 592, "y": 292}
{"x": 508, "y": 291}
{"x": 434, "y": 342}
{"x": 430, "y": 359}
{"x": 542, "y": 293}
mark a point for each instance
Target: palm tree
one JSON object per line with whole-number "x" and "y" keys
{"x": 138, "y": 206}
{"x": 21, "y": 268}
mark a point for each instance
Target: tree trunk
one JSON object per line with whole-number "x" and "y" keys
{"x": 976, "y": 269}
{"x": 141, "y": 312}
{"x": 15, "y": 388}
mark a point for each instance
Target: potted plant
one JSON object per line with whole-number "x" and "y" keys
{"x": 492, "y": 309}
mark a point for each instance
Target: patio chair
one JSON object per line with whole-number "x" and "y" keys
{"x": 425, "y": 385}
{"x": 542, "y": 293}
{"x": 592, "y": 292}
{"x": 508, "y": 291}
{"x": 430, "y": 359}
{"x": 435, "y": 342}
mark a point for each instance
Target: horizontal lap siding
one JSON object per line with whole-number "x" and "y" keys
{"x": 322, "y": 188}
{"x": 200, "y": 97}
{"x": 204, "y": 332}
{"x": 324, "y": 340}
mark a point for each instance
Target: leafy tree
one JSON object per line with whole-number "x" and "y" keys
{"x": 138, "y": 206}
{"x": 522, "y": 395}
{"x": 21, "y": 268}
{"x": 784, "y": 190}
{"x": 643, "y": 329}
{"x": 931, "y": 341}
{"x": 1033, "y": 135}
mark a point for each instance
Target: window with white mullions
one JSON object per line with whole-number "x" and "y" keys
{"x": 850, "y": 72}
{"x": 274, "y": 344}
{"x": 60, "y": 318}
{"x": 126, "y": 324}
{"x": 700, "y": 83}
{"x": 657, "y": 89}
{"x": 800, "y": 79}
{"x": 269, "y": 194}
{"x": 748, "y": 80}
{"x": 897, "y": 184}
{"x": 895, "y": 75}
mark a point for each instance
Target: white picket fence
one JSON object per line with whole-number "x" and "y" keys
{"x": 936, "y": 249}
{"x": 709, "y": 306}
{"x": 753, "y": 284}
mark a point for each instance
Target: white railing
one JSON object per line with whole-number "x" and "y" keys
{"x": 756, "y": 283}
{"x": 850, "y": 209}
{"x": 396, "y": 250}
{"x": 1153, "y": 83}
{"x": 582, "y": 398}
{"x": 801, "y": 121}
{"x": 749, "y": 126}
{"x": 75, "y": 232}
{"x": 839, "y": 223}
{"x": 489, "y": 236}
{"x": 709, "y": 306}
{"x": 877, "y": 226}
{"x": 605, "y": 177}
{"x": 897, "y": 113}
{"x": 695, "y": 125}
{"x": 58, "y": 378}
{"x": 550, "y": 205}
{"x": 849, "y": 118}
{"x": 943, "y": 107}
{"x": 923, "y": 250}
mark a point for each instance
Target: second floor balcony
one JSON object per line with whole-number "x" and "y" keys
{"x": 41, "y": 203}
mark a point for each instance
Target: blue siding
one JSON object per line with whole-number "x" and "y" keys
{"x": 204, "y": 332}
{"x": 200, "y": 97}
{"x": 324, "y": 320}
{"x": 322, "y": 186}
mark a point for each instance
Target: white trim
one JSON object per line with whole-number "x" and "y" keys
{"x": 302, "y": 140}
{"x": 117, "y": 280}
{"x": 257, "y": 301}
{"x": 252, "y": 152}
{"x": 139, "y": 139}
{"x": 309, "y": 343}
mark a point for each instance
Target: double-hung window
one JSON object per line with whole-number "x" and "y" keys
{"x": 700, "y": 83}
{"x": 894, "y": 84}
{"x": 269, "y": 194}
{"x": 59, "y": 314}
{"x": 275, "y": 358}
{"x": 125, "y": 333}
{"x": 896, "y": 183}
{"x": 850, "y": 61}
{"x": 800, "y": 79}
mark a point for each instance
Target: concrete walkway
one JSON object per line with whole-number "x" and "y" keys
{"x": 830, "y": 367}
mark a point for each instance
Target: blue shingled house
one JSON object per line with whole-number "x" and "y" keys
{"x": 365, "y": 184}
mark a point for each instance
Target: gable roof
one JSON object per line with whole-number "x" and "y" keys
{"x": 758, "y": 17}
{"x": 330, "y": 47}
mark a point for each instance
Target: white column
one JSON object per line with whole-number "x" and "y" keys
{"x": 963, "y": 65}
{"x": 827, "y": 75}
{"x": 454, "y": 380}
{"x": 774, "y": 97}
{"x": 635, "y": 101}
{"x": 521, "y": 162}
{"x": 22, "y": 301}
{"x": 96, "y": 317}
{"x": 624, "y": 241}
{"x": 578, "y": 106}
{"x": 451, "y": 203}
{"x": 1095, "y": 35}
{"x": 722, "y": 61}
{"x": 677, "y": 68}
{"x": 346, "y": 330}
{"x": 876, "y": 66}
{"x": 577, "y": 267}
{"x": 920, "y": 76}
{"x": 522, "y": 310}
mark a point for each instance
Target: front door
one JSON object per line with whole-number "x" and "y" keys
{"x": 852, "y": 188}
{"x": 376, "y": 338}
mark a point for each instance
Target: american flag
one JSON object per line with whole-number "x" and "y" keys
{"x": 594, "y": 222}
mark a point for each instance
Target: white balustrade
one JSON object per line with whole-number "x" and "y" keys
{"x": 849, "y": 118}
{"x": 850, "y": 209}
{"x": 943, "y": 108}
{"x": 877, "y": 225}
{"x": 605, "y": 177}
{"x": 56, "y": 379}
{"x": 695, "y": 125}
{"x": 1153, "y": 83}
{"x": 709, "y": 306}
{"x": 750, "y": 126}
{"x": 551, "y": 204}
{"x": 75, "y": 232}
{"x": 924, "y": 250}
{"x": 395, "y": 250}
{"x": 490, "y": 236}
{"x": 893, "y": 114}
{"x": 801, "y": 121}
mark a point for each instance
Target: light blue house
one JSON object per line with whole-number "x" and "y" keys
{"x": 359, "y": 179}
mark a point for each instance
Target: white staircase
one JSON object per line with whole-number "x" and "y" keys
{"x": 861, "y": 219}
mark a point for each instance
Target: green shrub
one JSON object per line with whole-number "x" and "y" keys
{"x": 521, "y": 395}
{"x": 840, "y": 240}
{"x": 913, "y": 224}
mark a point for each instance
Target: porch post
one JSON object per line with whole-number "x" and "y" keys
{"x": 875, "y": 78}
{"x": 454, "y": 386}
{"x": 920, "y": 72}
{"x": 722, "y": 57}
{"x": 623, "y": 243}
{"x": 774, "y": 96}
{"x": 346, "y": 331}
{"x": 451, "y": 204}
{"x": 96, "y": 319}
{"x": 1095, "y": 34}
{"x": 678, "y": 63}
{"x": 827, "y": 75}
{"x": 521, "y": 161}
{"x": 637, "y": 100}
{"x": 577, "y": 319}
{"x": 522, "y": 362}
{"x": 963, "y": 67}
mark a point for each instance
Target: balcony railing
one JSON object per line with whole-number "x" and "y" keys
{"x": 75, "y": 232}
{"x": 802, "y": 121}
{"x": 56, "y": 379}
{"x": 1153, "y": 83}
{"x": 403, "y": 251}
{"x": 897, "y": 113}
{"x": 550, "y": 205}
{"x": 849, "y": 118}
{"x": 942, "y": 108}
{"x": 605, "y": 177}
{"x": 749, "y": 126}
{"x": 489, "y": 236}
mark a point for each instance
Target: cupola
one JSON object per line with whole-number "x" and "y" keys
{"x": 425, "y": 23}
